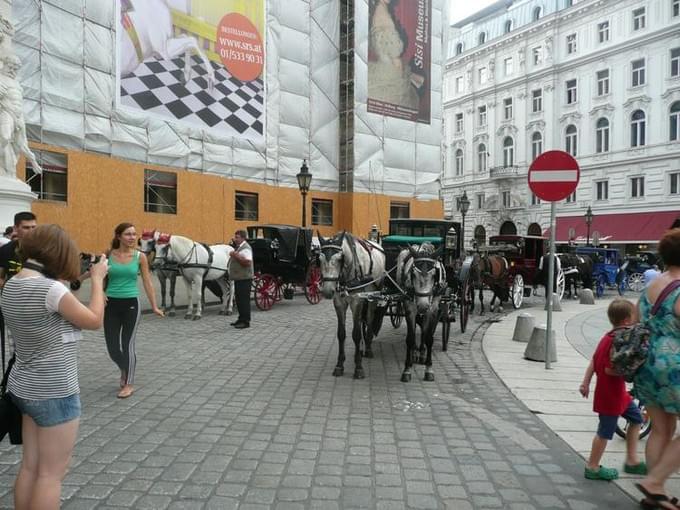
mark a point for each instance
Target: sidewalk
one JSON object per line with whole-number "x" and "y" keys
{"x": 553, "y": 394}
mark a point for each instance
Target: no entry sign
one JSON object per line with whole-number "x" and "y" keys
{"x": 553, "y": 176}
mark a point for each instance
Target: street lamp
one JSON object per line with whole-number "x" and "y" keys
{"x": 464, "y": 204}
{"x": 589, "y": 221}
{"x": 304, "y": 179}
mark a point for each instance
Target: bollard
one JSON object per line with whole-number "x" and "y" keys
{"x": 557, "y": 306}
{"x": 586, "y": 297}
{"x": 535, "y": 350}
{"x": 523, "y": 327}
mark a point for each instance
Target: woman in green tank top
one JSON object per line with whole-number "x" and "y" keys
{"x": 122, "y": 313}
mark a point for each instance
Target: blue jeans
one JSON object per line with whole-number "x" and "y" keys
{"x": 50, "y": 411}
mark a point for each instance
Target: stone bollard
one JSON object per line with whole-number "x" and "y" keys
{"x": 586, "y": 297}
{"x": 535, "y": 350}
{"x": 523, "y": 327}
{"x": 557, "y": 306}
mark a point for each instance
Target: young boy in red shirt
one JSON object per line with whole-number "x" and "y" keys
{"x": 611, "y": 400}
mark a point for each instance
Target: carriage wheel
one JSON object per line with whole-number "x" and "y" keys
{"x": 313, "y": 285}
{"x": 265, "y": 288}
{"x": 600, "y": 285}
{"x": 466, "y": 298}
{"x": 278, "y": 288}
{"x": 561, "y": 284}
{"x": 636, "y": 282}
{"x": 396, "y": 314}
{"x": 517, "y": 291}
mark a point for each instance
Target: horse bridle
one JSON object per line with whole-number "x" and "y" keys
{"x": 339, "y": 281}
{"x": 435, "y": 264}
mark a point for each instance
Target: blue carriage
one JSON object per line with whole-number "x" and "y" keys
{"x": 607, "y": 270}
{"x": 635, "y": 266}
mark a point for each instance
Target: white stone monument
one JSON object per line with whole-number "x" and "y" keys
{"x": 15, "y": 195}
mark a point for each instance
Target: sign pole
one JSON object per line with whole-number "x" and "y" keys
{"x": 549, "y": 289}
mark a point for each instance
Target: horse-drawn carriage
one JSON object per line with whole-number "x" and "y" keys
{"x": 634, "y": 267}
{"x": 607, "y": 270}
{"x": 283, "y": 259}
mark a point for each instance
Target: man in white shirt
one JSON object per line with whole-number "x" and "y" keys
{"x": 241, "y": 273}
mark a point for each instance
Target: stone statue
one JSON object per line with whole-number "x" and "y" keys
{"x": 13, "y": 139}
{"x": 548, "y": 49}
{"x": 492, "y": 69}
{"x": 521, "y": 57}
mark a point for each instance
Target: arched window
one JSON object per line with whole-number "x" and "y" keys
{"x": 508, "y": 26}
{"x": 508, "y": 228}
{"x": 508, "y": 151}
{"x": 482, "y": 37}
{"x": 536, "y": 145}
{"x": 459, "y": 162}
{"x": 480, "y": 235}
{"x": 637, "y": 128}
{"x": 675, "y": 122}
{"x": 534, "y": 230}
{"x": 537, "y": 13}
{"x": 602, "y": 135}
{"x": 571, "y": 139}
{"x": 481, "y": 157}
{"x": 459, "y": 48}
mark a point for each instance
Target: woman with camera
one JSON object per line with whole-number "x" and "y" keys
{"x": 45, "y": 320}
{"x": 122, "y": 314}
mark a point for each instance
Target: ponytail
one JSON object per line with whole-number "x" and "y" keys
{"x": 122, "y": 227}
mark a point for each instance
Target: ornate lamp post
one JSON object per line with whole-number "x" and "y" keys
{"x": 464, "y": 204}
{"x": 589, "y": 221}
{"x": 304, "y": 179}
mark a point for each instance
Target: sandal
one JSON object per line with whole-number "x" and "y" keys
{"x": 126, "y": 391}
{"x": 652, "y": 500}
{"x": 603, "y": 473}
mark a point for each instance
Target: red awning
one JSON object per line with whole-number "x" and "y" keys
{"x": 618, "y": 228}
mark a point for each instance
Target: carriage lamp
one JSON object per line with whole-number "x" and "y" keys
{"x": 464, "y": 204}
{"x": 589, "y": 221}
{"x": 304, "y": 179}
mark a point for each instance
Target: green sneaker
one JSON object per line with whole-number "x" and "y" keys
{"x": 602, "y": 473}
{"x": 636, "y": 469}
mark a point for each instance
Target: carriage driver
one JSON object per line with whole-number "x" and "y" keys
{"x": 241, "y": 273}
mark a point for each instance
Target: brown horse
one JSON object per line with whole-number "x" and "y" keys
{"x": 490, "y": 271}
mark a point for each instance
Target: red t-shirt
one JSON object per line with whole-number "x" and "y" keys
{"x": 611, "y": 397}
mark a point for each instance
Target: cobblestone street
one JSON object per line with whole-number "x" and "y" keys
{"x": 253, "y": 419}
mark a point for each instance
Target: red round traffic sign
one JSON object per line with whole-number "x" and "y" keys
{"x": 553, "y": 176}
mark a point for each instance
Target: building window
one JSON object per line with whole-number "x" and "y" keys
{"x": 481, "y": 111}
{"x": 52, "y": 184}
{"x": 603, "y": 31}
{"x": 459, "y": 48}
{"x": 571, "y": 140}
{"x": 535, "y": 200}
{"x": 675, "y": 183}
{"x": 568, "y": 3}
{"x": 637, "y": 128}
{"x": 480, "y": 201}
{"x": 506, "y": 198}
{"x": 675, "y": 62}
{"x": 571, "y": 44}
{"x": 537, "y": 101}
{"x": 322, "y": 212}
{"x": 160, "y": 192}
{"x": 459, "y": 123}
{"x": 483, "y": 75}
{"x": 571, "y": 198}
{"x": 508, "y": 66}
{"x": 637, "y": 187}
{"x": 602, "y": 190}
{"x": 507, "y": 108}
{"x": 400, "y": 210}
{"x": 481, "y": 157}
{"x": 536, "y": 56}
{"x": 459, "y": 162}
{"x": 638, "y": 67}
{"x": 482, "y": 38}
{"x": 571, "y": 91}
{"x": 639, "y": 18}
{"x": 508, "y": 26}
{"x": 603, "y": 82}
{"x": 676, "y": 8}
{"x": 675, "y": 122}
{"x": 537, "y": 14}
{"x": 508, "y": 151}
{"x": 536, "y": 145}
{"x": 459, "y": 84}
{"x": 246, "y": 206}
{"x": 602, "y": 135}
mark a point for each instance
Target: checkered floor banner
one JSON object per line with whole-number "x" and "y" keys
{"x": 156, "y": 87}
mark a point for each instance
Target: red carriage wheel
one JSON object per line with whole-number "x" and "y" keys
{"x": 313, "y": 285}
{"x": 265, "y": 288}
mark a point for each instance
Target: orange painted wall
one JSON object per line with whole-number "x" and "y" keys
{"x": 104, "y": 191}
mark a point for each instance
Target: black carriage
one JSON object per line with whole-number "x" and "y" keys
{"x": 524, "y": 254}
{"x": 634, "y": 267}
{"x": 283, "y": 259}
{"x": 446, "y": 238}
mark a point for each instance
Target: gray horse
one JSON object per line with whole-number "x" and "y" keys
{"x": 350, "y": 265}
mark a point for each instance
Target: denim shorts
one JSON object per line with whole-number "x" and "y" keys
{"x": 50, "y": 411}
{"x": 607, "y": 425}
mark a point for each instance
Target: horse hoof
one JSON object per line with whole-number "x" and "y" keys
{"x": 229, "y": 312}
{"x": 429, "y": 376}
{"x": 339, "y": 371}
{"x": 221, "y": 312}
{"x": 187, "y": 317}
{"x": 359, "y": 374}
{"x": 196, "y": 317}
{"x": 368, "y": 354}
{"x": 405, "y": 377}
{"x": 171, "y": 314}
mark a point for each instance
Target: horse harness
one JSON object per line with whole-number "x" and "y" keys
{"x": 360, "y": 279}
{"x": 437, "y": 289}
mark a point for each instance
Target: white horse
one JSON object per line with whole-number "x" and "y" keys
{"x": 146, "y": 31}
{"x": 165, "y": 271}
{"x": 198, "y": 263}
{"x": 348, "y": 266}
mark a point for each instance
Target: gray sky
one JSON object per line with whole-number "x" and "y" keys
{"x": 461, "y": 9}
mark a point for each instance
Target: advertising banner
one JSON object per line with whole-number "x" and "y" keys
{"x": 399, "y": 51}
{"x": 198, "y": 62}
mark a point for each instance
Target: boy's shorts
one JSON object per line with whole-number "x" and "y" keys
{"x": 607, "y": 425}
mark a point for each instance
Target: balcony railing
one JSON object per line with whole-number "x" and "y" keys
{"x": 503, "y": 172}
